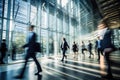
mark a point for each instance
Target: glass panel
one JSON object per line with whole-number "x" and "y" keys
{"x": 33, "y": 16}
{"x": 1, "y": 4}
{"x": 59, "y": 25}
{"x": 44, "y": 34}
{"x": 20, "y": 12}
{"x": 6, "y": 8}
{"x": 51, "y": 43}
{"x": 0, "y": 23}
{"x": 44, "y": 20}
{"x": 52, "y": 22}
{"x": 64, "y": 2}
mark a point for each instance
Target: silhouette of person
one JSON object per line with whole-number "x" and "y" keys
{"x": 107, "y": 46}
{"x": 90, "y": 48}
{"x": 3, "y": 50}
{"x": 64, "y": 47}
{"x": 98, "y": 46}
{"x": 31, "y": 51}
{"x": 13, "y": 51}
{"x": 83, "y": 48}
{"x": 75, "y": 50}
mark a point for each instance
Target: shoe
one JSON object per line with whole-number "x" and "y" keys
{"x": 108, "y": 76}
{"x": 18, "y": 77}
{"x": 89, "y": 57}
{"x": 66, "y": 57}
{"x": 38, "y": 72}
{"x": 2, "y": 63}
{"x": 62, "y": 60}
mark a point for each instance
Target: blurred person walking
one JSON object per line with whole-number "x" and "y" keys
{"x": 31, "y": 51}
{"x": 83, "y": 48}
{"x": 13, "y": 51}
{"x": 107, "y": 46}
{"x": 75, "y": 50}
{"x": 64, "y": 47}
{"x": 98, "y": 47}
{"x": 3, "y": 50}
{"x": 90, "y": 48}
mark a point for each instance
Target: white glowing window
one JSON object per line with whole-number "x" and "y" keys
{"x": 64, "y": 2}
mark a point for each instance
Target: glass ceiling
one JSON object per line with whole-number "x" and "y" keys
{"x": 63, "y": 3}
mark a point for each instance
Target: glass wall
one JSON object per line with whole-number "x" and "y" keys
{"x": 54, "y": 19}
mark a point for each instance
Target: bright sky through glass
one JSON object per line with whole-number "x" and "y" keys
{"x": 64, "y": 2}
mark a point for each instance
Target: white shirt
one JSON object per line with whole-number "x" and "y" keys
{"x": 101, "y": 32}
{"x": 30, "y": 34}
{"x": 98, "y": 46}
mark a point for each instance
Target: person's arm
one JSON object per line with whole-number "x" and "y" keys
{"x": 67, "y": 45}
{"x": 26, "y": 45}
{"x": 0, "y": 48}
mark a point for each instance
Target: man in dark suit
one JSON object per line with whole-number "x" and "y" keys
{"x": 64, "y": 47}
{"x": 31, "y": 51}
{"x": 107, "y": 47}
{"x": 98, "y": 47}
{"x": 90, "y": 48}
{"x": 3, "y": 50}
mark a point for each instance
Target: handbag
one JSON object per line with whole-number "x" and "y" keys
{"x": 37, "y": 47}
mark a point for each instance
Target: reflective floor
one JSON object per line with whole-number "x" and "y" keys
{"x": 83, "y": 68}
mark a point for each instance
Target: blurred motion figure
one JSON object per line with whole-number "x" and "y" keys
{"x": 31, "y": 51}
{"x": 107, "y": 46}
{"x": 3, "y": 50}
{"x": 64, "y": 47}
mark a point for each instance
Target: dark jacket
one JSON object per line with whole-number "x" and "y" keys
{"x": 74, "y": 48}
{"x": 64, "y": 46}
{"x": 31, "y": 44}
{"x": 106, "y": 42}
{"x": 3, "y": 47}
{"x": 89, "y": 46}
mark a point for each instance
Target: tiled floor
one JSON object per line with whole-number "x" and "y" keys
{"x": 53, "y": 69}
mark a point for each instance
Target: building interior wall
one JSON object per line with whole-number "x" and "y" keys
{"x": 73, "y": 19}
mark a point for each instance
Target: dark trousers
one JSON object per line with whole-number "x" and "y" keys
{"x": 64, "y": 51}
{"x": 107, "y": 57}
{"x": 99, "y": 50}
{"x": 31, "y": 55}
{"x": 83, "y": 51}
{"x": 13, "y": 56}
{"x": 90, "y": 51}
{"x": 2, "y": 56}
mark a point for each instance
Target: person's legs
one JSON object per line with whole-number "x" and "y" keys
{"x": 109, "y": 73}
{"x": 37, "y": 63}
{"x": 2, "y": 57}
{"x": 108, "y": 64}
{"x": 63, "y": 55}
{"x": 24, "y": 67}
{"x": 98, "y": 50}
{"x": 21, "y": 75}
{"x": 74, "y": 54}
{"x": 101, "y": 51}
{"x": 90, "y": 53}
{"x": 82, "y": 51}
